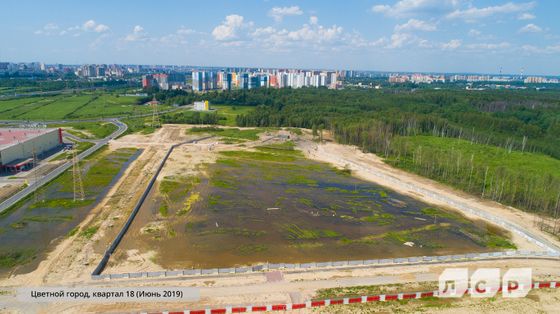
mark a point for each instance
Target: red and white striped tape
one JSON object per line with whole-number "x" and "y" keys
{"x": 328, "y": 302}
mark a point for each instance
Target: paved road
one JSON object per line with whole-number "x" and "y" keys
{"x": 78, "y": 139}
{"x": 121, "y": 128}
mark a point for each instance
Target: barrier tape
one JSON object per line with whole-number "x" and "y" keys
{"x": 329, "y": 302}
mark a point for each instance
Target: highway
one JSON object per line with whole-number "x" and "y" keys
{"x": 121, "y": 128}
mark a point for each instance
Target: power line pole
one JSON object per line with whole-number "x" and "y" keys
{"x": 77, "y": 178}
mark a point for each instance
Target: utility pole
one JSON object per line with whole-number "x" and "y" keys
{"x": 77, "y": 178}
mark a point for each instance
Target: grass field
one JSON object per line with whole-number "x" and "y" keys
{"x": 229, "y": 134}
{"x": 67, "y": 107}
{"x": 109, "y": 105}
{"x": 87, "y": 130}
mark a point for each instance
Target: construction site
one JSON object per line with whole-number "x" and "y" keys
{"x": 244, "y": 208}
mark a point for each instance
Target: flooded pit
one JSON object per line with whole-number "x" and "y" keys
{"x": 31, "y": 229}
{"x": 273, "y": 205}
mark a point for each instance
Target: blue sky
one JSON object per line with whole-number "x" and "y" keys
{"x": 405, "y": 35}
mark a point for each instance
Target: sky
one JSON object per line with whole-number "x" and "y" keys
{"x": 475, "y": 36}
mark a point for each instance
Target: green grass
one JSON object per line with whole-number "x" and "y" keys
{"x": 88, "y": 130}
{"x": 294, "y": 232}
{"x": 495, "y": 241}
{"x": 242, "y": 232}
{"x": 107, "y": 105}
{"x": 175, "y": 187}
{"x": 77, "y": 106}
{"x": 58, "y": 109}
{"x": 379, "y": 219}
{"x": 262, "y": 156}
{"x": 163, "y": 210}
{"x": 16, "y": 257}
{"x": 50, "y": 218}
{"x": 88, "y": 233}
{"x": 66, "y": 203}
{"x": 80, "y": 147}
{"x": 73, "y": 231}
{"x": 19, "y": 108}
{"x": 229, "y": 133}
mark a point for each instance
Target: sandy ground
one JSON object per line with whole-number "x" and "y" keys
{"x": 74, "y": 258}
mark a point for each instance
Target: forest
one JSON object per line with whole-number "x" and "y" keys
{"x": 459, "y": 137}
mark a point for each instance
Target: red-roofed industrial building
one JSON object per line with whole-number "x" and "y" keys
{"x": 18, "y": 145}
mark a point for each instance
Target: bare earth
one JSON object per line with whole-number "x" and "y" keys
{"x": 74, "y": 258}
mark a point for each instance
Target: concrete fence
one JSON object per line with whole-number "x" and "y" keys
{"x": 415, "y": 260}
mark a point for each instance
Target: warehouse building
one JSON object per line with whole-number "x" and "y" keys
{"x": 17, "y": 146}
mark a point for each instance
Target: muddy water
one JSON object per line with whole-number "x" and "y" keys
{"x": 32, "y": 229}
{"x": 260, "y": 211}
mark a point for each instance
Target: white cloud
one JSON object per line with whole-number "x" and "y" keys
{"x": 317, "y": 36}
{"x": 489, "y": 46}
{"x": 474, "y": 33}
{"x": 526, "y": 16}
{"x": 316, "y": 33}
{"x": 278, "y": 13}
{"x": 530, "y": 28}
{"x": 313, "y": 20}
{"x": 414, "y": 24}
{"x": 544, "y": 50}
{"x": 405, "y": 8}
{"x": 48, "y": 29}
{"x": 229, "y": 28}
{"x": 185, "y": 31}
{"x": 138, "y": 34}
{"x": 452, "y": 44}
{"x": 177, "y": 38}
{"x": 77, "y": 30}
{"x": 92, "y": 26}
{"x": 474, "y": 13}
{"x": 399, "y": 40}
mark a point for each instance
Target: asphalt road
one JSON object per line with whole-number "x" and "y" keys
{"x": 121, "y": 128}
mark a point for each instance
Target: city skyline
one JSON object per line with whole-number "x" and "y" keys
{"x": 448, "y": 36}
